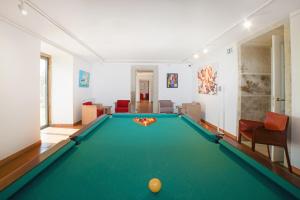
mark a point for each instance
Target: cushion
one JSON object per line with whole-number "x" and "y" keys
{"x": 88, "y": 103}
{"x": 121, "y": 110}
{"x": 275, "y": 121}
{"x": 165, "y": 103}
{"x": 122, "y": 103}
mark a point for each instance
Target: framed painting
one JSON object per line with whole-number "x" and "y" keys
{"x": 84, "y": 79}
{"x": 207, "y": 80}
{"x": 172, "y": 80}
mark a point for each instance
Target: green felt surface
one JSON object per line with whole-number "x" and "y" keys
{"x": 262, "y": 169}
{"x": 15, "y": 186}
{"x": 117, "y": 159}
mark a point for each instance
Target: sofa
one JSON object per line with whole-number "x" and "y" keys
{"x": 165, "y": 106}
{"x": 122, "y": 106}
{"x": 90, "y": 112}
{"x": 193, "y": 110}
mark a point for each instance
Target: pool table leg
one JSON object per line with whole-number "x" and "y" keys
{"x": 253, "y": 145}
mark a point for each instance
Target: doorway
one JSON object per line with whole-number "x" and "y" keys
{"x": 262, "y": 80}
{"x": 44, "y": 91}
{"x": 144, "y": 89}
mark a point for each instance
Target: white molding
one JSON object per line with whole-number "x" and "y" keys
{"x": 62, "y": 28}
{"x": 264, "y": 30}
{"x": 255, "y": 95}
{"x": 146, "y": 61}
{"x": 37, "y": 36}
{"x": 234, "y": 25}
{"x": 249, "y": 73}
{"x": 295, "y": 13}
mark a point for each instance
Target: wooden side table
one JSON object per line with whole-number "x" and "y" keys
{"x": 107, "y": 110}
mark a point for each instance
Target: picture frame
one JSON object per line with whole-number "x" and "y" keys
{"x": 84, "y": 79}
{"x": 207, "y": 77}
{"x": 172, "y": 80}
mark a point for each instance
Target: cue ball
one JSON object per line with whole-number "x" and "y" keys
{"x": 154, "y": 185}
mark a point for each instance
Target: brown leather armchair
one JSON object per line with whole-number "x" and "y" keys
{"x": 273, "y": 131}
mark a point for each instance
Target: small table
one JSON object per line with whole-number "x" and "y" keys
{"x": 107, "y": 110}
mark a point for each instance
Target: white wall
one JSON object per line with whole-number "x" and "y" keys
{"x": 19, "y": 90}
{"x": 112, "y": 81}
{"x": 212, "y": 106}
{"x": 80, "y": 94}
{"x": 183, "y": 93}
{"x": 61, "y": 85}
{"x": 295, "y": 61}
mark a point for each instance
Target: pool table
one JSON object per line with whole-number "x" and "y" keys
{"x": 114, "y": 158}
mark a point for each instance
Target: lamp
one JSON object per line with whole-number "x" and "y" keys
{"x": 21, "y": 7}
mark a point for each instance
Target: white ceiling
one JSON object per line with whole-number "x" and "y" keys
{"x": 141, "y": 30}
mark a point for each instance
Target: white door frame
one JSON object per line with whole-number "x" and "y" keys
{"x": 277, "y": 87}
{"x": 152, "y": 68}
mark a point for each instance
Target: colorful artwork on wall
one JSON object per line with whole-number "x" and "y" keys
{"x": 84, "y": 79}
{"x": 172, "y": 80}
{"x": 207, "y": 80}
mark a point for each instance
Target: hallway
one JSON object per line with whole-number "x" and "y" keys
{"x": 144, "y": 107}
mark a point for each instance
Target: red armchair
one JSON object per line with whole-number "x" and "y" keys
{"x": 122, "y": 106}
{"x": 273, "y": 131}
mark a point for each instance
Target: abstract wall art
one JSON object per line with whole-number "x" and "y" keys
{"x": 172, "y": 80}
{"x": 207, "y": 80}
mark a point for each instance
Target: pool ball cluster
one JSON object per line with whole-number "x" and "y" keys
{"x": 144, "y": 121}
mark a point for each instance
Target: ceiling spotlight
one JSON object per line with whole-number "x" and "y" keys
{"x": 205, "y": 51}
{"x": 247, "y": 24}
{"x": 22, "y": 9}
{"x": 196, "y": 56}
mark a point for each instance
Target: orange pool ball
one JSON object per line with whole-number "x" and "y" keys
{"x": 154, "y": 185}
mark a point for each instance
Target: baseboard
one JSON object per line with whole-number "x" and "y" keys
{"x": 61, "y": 125}
{"x": 19, "y": 153}
{"x": 77, "y": 123}
{"x": 296, "y": 170}
{"x": 230, "y": 135}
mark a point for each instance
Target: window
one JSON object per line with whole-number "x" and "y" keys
{"x": 44, "y": 91}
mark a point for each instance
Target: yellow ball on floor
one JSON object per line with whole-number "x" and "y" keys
{"x": 154, "y": 185}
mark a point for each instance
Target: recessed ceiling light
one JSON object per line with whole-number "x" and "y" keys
{"x": 22, "y": 9}
{"x": 205, "y": 51}
{"x": 247, "y": 24}
{"x": 196, "y": 56}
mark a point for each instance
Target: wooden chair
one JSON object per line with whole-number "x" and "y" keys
{"x": 273, "y": 131}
